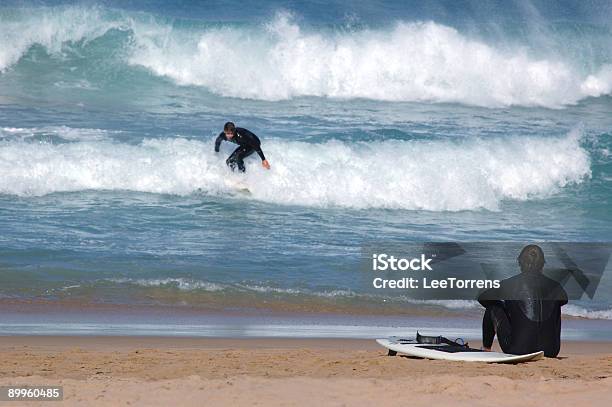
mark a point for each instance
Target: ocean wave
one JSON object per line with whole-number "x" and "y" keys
{"x": 182, "y": 284}
{"x": 185, "y": 284}
{"x": 55, "y": 29}
{"x": 438, "y": 175}
{"x": 420, "y": 61}
{"x": 63, "y": 133}
{"x": 408, "y": 61}
{"x": 578, "y": 311}
{"x": 188, "y": 284}
{"x": 434, "y": 175}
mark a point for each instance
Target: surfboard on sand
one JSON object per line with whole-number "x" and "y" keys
{"x": 449, "y": 352}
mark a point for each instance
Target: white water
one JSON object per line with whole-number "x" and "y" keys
{"x": 193, "y": 285}
{"x": 421, "y": 61}
{"x": 430, "y": 175}
{"x": 406, "y": 61}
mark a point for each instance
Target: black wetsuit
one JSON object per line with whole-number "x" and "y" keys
{"x": 525, "y": 312}
{"x": 247, "y": 142}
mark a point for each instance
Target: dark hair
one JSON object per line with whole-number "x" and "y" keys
{"x": 229, "y": 126}
{"x": 531, "y": 258}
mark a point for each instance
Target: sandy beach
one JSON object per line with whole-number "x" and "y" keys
{"x": 225, "y": 203}
{"x": 159, "y": 371}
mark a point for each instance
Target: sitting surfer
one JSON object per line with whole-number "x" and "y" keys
{"x": 525, "y": 311}
{"x": 247, "y": 142}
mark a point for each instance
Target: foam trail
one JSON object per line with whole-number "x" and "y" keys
{"x": 430, "y": 175}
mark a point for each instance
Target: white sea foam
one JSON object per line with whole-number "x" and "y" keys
{"x": 182, "y": 284}
{"x": 405, "y": 61}
{"x": 294, "y": 291}
{"x": 420, "y": 61}
{"x": 63, "y": 132}
{"x": 578, "y": 311}
{"x": 430, "y": 175}
{"x": 192, "y": 285}
{"x": 186, "y": 284}
{"x": 52, "y": 28}
{"x": 569, "y": 309}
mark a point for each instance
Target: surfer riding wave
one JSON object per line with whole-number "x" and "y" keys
{"x": 248, "y": 143}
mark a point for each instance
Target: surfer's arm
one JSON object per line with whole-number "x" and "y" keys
{"x": 260, "y": 153}
{"x": 249, "y": 138}
{"x": 264, "y": 162}
{"x": 218, "y": 141}
{"x": 255, "y": 144}
{"x": 253, "y": 141}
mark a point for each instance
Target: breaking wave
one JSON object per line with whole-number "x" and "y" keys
{"x": 279, "y": 60}
{"x": 435, "y": 175}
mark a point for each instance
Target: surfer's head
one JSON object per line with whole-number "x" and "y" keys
{"x": 531, "y": 259}
{"x": 229, "y": 129}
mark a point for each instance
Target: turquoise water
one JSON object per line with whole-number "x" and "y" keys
{"x": 383, "y": 121}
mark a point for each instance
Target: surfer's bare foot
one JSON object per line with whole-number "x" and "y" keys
{"x": 486, "y": 349}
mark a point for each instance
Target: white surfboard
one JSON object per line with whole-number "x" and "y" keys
{"x": 237, "y": 186}
{"x": 438, "y": 352}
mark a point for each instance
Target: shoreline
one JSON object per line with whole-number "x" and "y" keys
{"x": 61, "y": 319}
{"x": 238, "y": 306}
